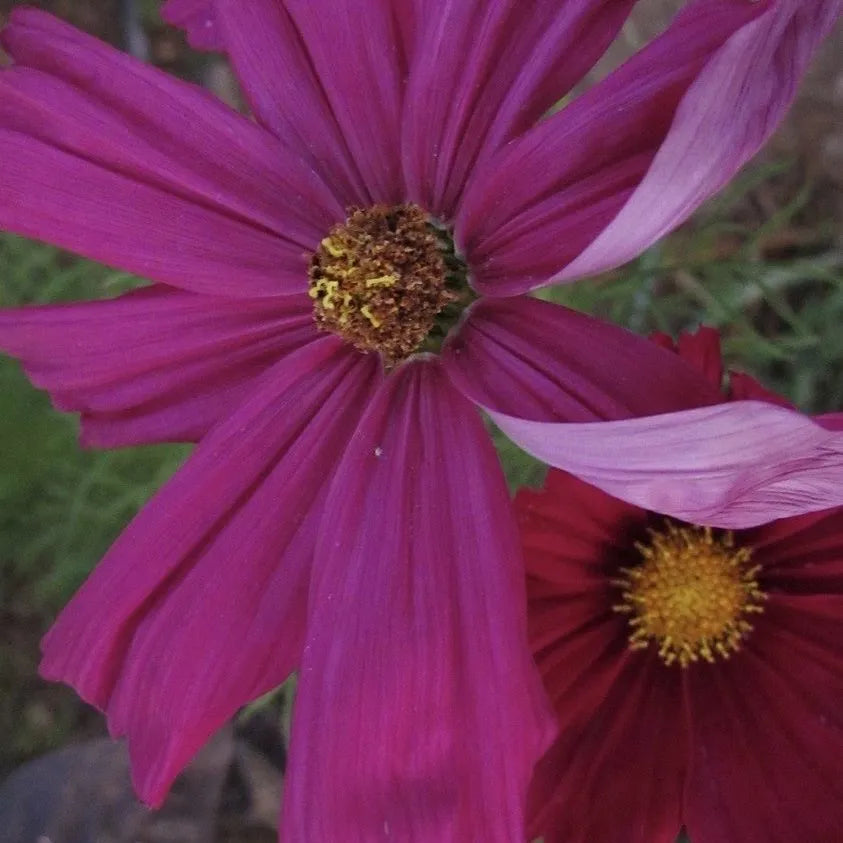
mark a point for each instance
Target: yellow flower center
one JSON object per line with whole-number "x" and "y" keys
{"x": 386, "y": 279}
{"x": 691, "y": 595}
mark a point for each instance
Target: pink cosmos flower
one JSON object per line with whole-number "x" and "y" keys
{"x": 344, "y": 513}
{"x": 695, "y": 673}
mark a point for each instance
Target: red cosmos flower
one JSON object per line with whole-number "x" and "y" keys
{"x": 344, "y": 513}
{"x": 695, "y": 673}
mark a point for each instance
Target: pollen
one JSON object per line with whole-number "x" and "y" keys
{"x": 384, "y": 279}
{"x": 692, "y": 596}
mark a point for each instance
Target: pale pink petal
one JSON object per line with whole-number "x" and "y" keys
{"x": 624, "y": 164}
{"x": 197, "y": 17}
{"x": 200, "y": 605}
{"x": 483, "y": 72}
{"x": 154, "y": 365}
{"x": 118, "y": 161}
{"x": 286, "y": 95}
{"x": 419, "y": 715}
{"x": 733, "y": 465}
{"x": 534, "y": 359}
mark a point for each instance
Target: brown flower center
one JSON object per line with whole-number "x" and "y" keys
{"x": 692, "y": 595}
{"x": 388, "y": 280}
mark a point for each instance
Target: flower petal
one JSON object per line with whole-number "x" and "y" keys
{"x": 285, "y": 93}
{"x": 615, "y": 708}
{"x": 593, "y": 186}
{"x": 538, "y": 360}
{"x": 122, "y": 163}
{"x": 802, "y": 555}
{"x": 535, "y": 367}
{"x": 628, "y": 750}
{"x": 157, "y": 364}
{"x": 575, "y": 537}
{"x": 734, "y": 465}
{"x": 830, "y": 421}
{"x": 200, "y": 605}
{"x": 419, "y": 714}
{"x": 485, "y": 72}
{"x": 198, "y": 19}
{"x": 333, "y": 77}
{"x": 768, "y": 731}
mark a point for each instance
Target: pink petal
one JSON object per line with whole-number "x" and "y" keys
{"x": 535, "y": 367}
{"x": 419, "y": 714}
{"x": 118, "y": 161}
{"x": 769, "y": 733}
{"x": 154, "y": 365}
{"x": 733, "y": 465}
{"x": 285, "y": 92}
{"x": 198, "y": 19}
{"x": 200, "y": 605}
{"x": 485, "y": 72}
{"x": 593, "y": 186}
{"x": 538, "y": 360}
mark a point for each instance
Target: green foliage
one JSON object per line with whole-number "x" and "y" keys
{"x": 60, "y": 506}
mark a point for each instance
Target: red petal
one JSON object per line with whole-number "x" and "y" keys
{"x": 768, "y": 731}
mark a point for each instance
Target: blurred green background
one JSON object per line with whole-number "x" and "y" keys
{"x": 763, "y": 262}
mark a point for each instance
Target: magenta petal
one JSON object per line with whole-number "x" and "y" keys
{"x": 830, "y": 421}
{"x": 484, "y": 72}
{"x": 120, "y": 162}
{"x": 419, "y": 715}
{"x": 351, "y": 50}
{"x": 154, "y": 365}
{"x": 198, "y": 19}
{"x": 595, "y": 185}
{"x": 537, "y": 360}
{"x": 200, "y": 605}
{"x": 285, "y": 93}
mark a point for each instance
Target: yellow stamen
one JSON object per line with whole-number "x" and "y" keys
{"x": 691, "y": 595}
{"x": 382, "y": 281}
{"x": 366, "y": 310}
{"x": 332, "y": 248}
{"x": 381, "y": 278}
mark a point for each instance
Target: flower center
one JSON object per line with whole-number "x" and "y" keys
{"x": 692, "y": 594}
{"x": 389, "y": 280}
